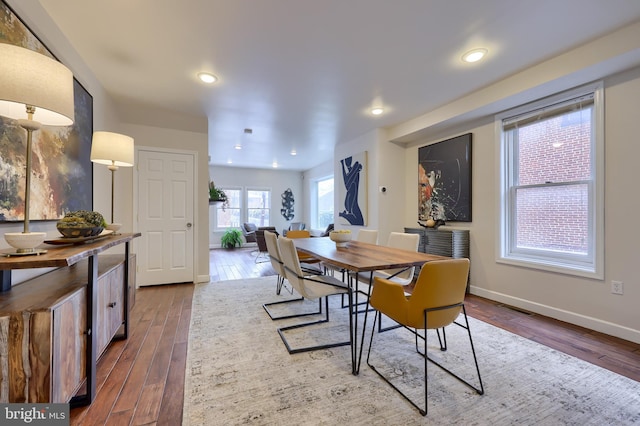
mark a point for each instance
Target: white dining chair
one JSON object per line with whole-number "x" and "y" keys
{"x": 368, "y": 236}
{"x": 404, "y": 241}
{"x": 311, "y": 288}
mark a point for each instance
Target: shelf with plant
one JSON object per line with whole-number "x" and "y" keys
{"x": 217, "y": 195}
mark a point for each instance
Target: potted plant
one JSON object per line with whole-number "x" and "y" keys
{"x": 231, "y": 238}
{"x": 217, "y": 195}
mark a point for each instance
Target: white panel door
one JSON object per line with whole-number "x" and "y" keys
{"x": 165, "y": 217}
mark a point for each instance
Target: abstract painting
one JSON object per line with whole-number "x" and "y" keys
{"x": 352, "y": 190}
{"x": 444, "y": 180}
{"x": 62, "y": 173}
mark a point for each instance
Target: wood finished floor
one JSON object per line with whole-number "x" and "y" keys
{"x": 140, "y": 381}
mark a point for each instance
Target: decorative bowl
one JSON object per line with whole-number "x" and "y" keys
{"x": 115, "y": 227}
{"x": 25, "y": 243}
{"x": 78, "y": 229}
{"x": 341, "y": 237}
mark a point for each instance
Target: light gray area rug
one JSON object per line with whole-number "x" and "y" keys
{"x": 239, "y": 372}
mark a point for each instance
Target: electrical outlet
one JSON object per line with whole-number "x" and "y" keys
{"x": 617, "y": 287}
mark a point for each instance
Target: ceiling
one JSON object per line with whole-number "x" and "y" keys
{"x": 303, "y": 74}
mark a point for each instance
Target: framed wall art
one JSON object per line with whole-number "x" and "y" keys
{"x": 444, "y": 180}
{"x": 62, "y": 172}
{"x": 352, "y": 190}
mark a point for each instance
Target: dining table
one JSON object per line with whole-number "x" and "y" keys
{"x": 357, "y": 258}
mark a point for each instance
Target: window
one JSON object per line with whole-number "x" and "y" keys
{"x": 324, "y": 202}
{"x": 551, "y": 205}
{"x": 230, "y": 216}
{"x": 258, "y": 206}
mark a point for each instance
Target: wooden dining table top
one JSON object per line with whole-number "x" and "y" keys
{"x": 360, "y": 257}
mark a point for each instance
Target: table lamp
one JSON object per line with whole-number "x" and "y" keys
{"x": 35, "y": 90}
{"x": 114, "y": 150}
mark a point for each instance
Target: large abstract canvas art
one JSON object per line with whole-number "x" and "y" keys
{"x": 444, "y": 180}
{"x": 62, "y": 177}
{"x": 352, "y": 190}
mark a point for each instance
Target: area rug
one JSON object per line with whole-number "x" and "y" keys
{"x": 238, "y": 372}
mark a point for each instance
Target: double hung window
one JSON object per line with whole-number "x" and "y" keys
{"x": 551, "y": 183}
{"x": 229, "y": 215}
{"x": 258, "y": 206}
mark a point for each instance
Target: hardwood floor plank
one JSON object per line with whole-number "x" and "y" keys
{"x": 148, "y": 406}
{"x": 171, "y": 406}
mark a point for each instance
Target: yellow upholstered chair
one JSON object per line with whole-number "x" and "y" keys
{"x": 311, "y": 287}
{"x": 436, "y": 302}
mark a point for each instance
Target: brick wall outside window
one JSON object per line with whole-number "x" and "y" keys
{"x": 555, "y": 150}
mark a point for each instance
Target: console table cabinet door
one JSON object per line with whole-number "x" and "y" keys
{"x": 110, "y": 306}
{"x": 69, "y": 333}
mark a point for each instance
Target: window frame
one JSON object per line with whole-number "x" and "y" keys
{"x": 315, "y": 216}
{"x": 218, "y": 207}
{"x": 591, "y": 265}
{"x": 246, "y": 201}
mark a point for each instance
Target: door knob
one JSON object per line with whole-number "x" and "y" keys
{"x": 189, "y": 225}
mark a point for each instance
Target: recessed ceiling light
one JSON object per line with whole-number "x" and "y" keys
{"x": 275, "y": 165}
{"x": 377, "y": 110}
{"x": 474, "y": 55}
{"x": 238, "y": 146}
{"x": 207, "y": 77}
{"x": 293, "y": 152}
{"x": 229, "y": 161}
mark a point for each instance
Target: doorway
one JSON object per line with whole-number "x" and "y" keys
{"x": 165, "y": 215}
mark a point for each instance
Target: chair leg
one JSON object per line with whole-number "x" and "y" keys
{"x": 443, "y": 347}
{"x": 281, "y": 302}
{"x": 480, "y": 389}
{"x": 422, "y": 411}
{"x": 280, "y": 284}
{"x": 283, "y": 330}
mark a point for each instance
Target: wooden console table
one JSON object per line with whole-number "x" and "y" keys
{"x": 65, "y": 256}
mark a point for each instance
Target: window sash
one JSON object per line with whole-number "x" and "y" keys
{"x": 589, "y": 260}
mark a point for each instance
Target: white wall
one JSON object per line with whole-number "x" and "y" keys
{"x": 156, "y": 137}
{"x": 582, "y": 301}
{"x": 275, "y": 180}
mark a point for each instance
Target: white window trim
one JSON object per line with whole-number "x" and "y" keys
{"x": 242, "y": 201}
{"x": 591, "y": 270}
{"x": 314, "y": 200}
{"x": 245, "y": 211}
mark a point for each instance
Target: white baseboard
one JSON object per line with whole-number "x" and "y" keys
{"x": 203, "y": 278}
{"x": 606, "y": 327}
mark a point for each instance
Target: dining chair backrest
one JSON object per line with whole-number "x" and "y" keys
{"x": 296, "y": 226}
{"x": 292, "y": 266}
{"x": 368, "y": 236}
{"x": 403, "y": 241}
{"x": 440, "y": 283}
{"x": 274, "y": 253}
{"x": 299, "y": 233}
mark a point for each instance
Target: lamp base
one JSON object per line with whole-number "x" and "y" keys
{"x": 25, "y": 243}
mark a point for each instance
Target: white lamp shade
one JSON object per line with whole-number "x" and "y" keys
{"x": 30, "y": 78}
{"x": 112, "y": 149}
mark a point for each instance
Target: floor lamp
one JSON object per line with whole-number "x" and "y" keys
{"x": 114, "y": 150}
{"x": 35, "y": 90}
